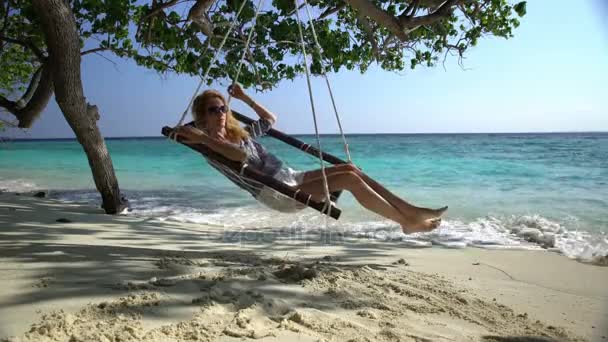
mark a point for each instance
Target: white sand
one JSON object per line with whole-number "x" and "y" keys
{"x": 103, "y": 278}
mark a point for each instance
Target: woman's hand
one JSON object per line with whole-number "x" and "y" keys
{"x": 236, "y": 91}
{"x": 188, "y": 133}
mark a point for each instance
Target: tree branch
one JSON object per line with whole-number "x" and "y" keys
{"x": 5, "y": 20}
{"x": 99, "y": 49}
{"x": 25, "y": 44}
{"x": 27, "y": 96}
{"x": 39, "y": 93}
{"x": 388, "y": 41}
{"x": 4, "y": 23}
{"x": 198, "y": 15}
{"x": 294, "y": 11}
{"x": 270, "y": 42}
{"x": 402, "y": 25}
{"x": 155, "y": 10}
{"x": 109, "y": 60}
{"x": 369, "y": 32}
{"x": 441, "y": 12}
{"x": 329, "y": 12}
{"x": 379, "y": 16}
{"x": 14, "y": 41}
{"x": 39, "y": 99}
{"x": 411, "y": 9}
{"x": 152, "y": 14}
{"x": 8, "y": 123}
{"x": 9, "y": 105}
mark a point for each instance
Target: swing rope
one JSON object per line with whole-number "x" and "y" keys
{"x": 308, "y": 81}
{"x": 215, "y": 56}
{"x": 331, "y": 94}
{"x": 312, "y": 105}
{"x": 241, "y": 62}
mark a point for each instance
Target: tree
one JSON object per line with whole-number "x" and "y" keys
{"x": 49, "y": 24}
{"x": 182, "y": 36}
{"x": 396, "y": 34}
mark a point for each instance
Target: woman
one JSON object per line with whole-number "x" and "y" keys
{"x": 221, "y": 132}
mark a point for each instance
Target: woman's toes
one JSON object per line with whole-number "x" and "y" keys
{"x": 425, "y": 226}
{"x": 435, "y": 223}
{"x": 430, "y": 224}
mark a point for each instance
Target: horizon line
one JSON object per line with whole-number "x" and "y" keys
{"x": 3, "y": 138}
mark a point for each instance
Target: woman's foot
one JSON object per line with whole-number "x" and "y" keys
{"x": 426, "y": 221}
{"x": 424, "y": 226}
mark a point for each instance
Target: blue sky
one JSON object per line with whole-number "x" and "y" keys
{"x": 552, "y": 76}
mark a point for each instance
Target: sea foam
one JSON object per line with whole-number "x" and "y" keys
{"x": 524, "y": 232}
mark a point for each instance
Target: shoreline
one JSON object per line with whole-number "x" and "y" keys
{"x": 154, "y": 273}
{"x": 338, "y": 135}
{"x": 528, "y": 236}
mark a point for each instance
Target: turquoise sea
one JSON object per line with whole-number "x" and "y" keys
{"x": 528, "y": 191}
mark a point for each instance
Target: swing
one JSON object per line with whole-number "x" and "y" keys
{"x": 252, "y": 180}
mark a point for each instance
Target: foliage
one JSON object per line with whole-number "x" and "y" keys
{"x": 159, "y": 36}
{"x": 17, "y": 61}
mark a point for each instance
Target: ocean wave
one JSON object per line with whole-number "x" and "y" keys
{"x": 527, "y": 232}
{"x": 17, "y": 185}
{"x": 524, "y": 232}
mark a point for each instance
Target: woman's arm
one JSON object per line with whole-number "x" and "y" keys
{"x": 227, "y": 149}
{"x": 237, "y": 92}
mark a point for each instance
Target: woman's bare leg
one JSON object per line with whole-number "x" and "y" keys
{"x": 348, "y": 180}
{"x": 329, "y": 170}
{"x": 415, "y": 216}
{"x": 351, "y": 182}
{"x": 401, "y": 204}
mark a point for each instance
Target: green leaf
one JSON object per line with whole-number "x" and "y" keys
{"x": 520, "y": 8}
{"x": 165, "y": 40}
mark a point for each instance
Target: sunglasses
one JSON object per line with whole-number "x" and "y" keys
{"x": 217, "y": 110}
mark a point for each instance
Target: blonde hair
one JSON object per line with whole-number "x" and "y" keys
{"x": 234, "y": 132}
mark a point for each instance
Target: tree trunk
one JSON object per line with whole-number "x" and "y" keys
{"x": 37, "y": 101}
{"x": 63, "y": 45}
{"x": 34, "y": 101}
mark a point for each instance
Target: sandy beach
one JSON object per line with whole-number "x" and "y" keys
{"x": 71, "y": 273}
